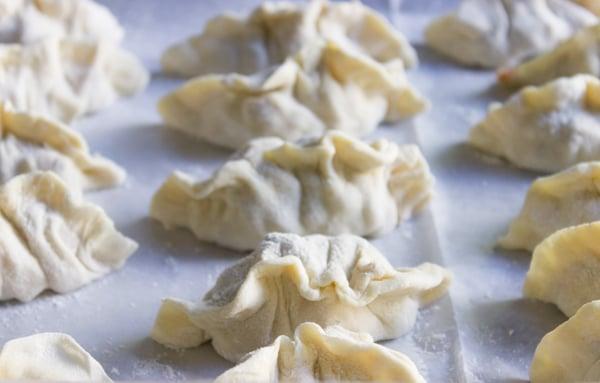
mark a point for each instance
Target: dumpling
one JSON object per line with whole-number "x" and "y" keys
{"x": 344, "y": 91}
{"x": 547, "y": 128}
{"x": 67, "y": 78}
{"x": 333, "y": 185}
{"x": 565, "y": 266}
{"x": 570, "y": 352}
{"x": 27, "y": 21}
{"x": 50, "y": 239}
{"x": 577, "y": 55}
{"x": 493, "y": 33}
{"x": 569, "y": 198}
{"x": 29, "y": 143}
{"x": 331, "y": 355}
{"x": 289, "y": 280}
{"x": 49, "y": 357}
{"x": 276, "y": 31}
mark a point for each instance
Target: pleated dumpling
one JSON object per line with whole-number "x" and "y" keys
{"x": 67, "y": 78}
{"x": 276, "y": 31}
{"x": 49, "y": 357}
{"x": 27, "y": 21}
{"x": 577, "y": 55}
{"x": 570, "y": 352}
{"x": 344, "y": 91}
{"x": 493, "y": 33}
{"x": 568, "y": 198}
{"x": 31, "y": 143}
{"x": 547, "y": 128}
{"x": 289, "y": 280}
{"x": 333, "y": 185}
{"x": 51, "y": 240}
{"x": 331, "y": 355}
{"x": 565, "y": 266}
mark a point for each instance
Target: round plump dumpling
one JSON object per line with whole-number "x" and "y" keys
{"x": 565, "y": 268}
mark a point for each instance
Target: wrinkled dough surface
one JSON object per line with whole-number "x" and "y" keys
{"x": 546, "y": 128}
{"x": 493, "y": 33}
{"x": 577, "y": 55}
{"x": 27, "y": 21}
{"x": 570, "y": 353}
{"x": 568, "y": 198}
{"x": 565, "y": 268}
{"x": 50, "y": 239}
{"x": 316, "y": 355}
{"x": 333, "y": 185}
{"x": 276, "y": 31}
{"x": 289, "y": 280}
{"x": 344, "y": 90}
{"x": 67, "y": 78}
{"x": 49, "y": 357}
{"x": 31, "y": 143}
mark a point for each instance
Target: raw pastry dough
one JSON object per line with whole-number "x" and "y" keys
{"x": 276, "y": 31}
{"x": 331, "y": 355}
{"x": 577, "y": 55}
{"x": 569, "y": 198}
{"x": 29, "y": 143}
{"x": 49, "y": 357}
{"x": 50, "y": 239}
{"x": 547, "y": 128}
{"x": 67, "y": 78}
{"x": 289, "y": 280}
{"x": 27, "y": 21}
{"x": 333, "y": 185}
{"x": 493, "y": 33}
{"x": 344, "y": 91}
{"x": 570, "y": 352}
{"x": 565, "y": 266}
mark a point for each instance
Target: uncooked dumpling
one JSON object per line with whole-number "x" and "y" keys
{"x": 67, "y": 78}
{"x": 493, "y": 33}
{"x": 331, "y": 355}
{"x": 577, "y": 55}
{"x": 276, "y": 31}
{"x": 29, "y": 143}
{"x": 547, "y": 128}
{"x": 289, "y": 280}
{"x": 50, "y": 239}
{"x": 569, "y": 198}
{"x": 344, "y": 91}
{"x": 565, "y": 267}
{"x": 333, "y": 185}
{"x": 49, "y": 357}
{"x": 570, "y": 353}
{"x": 27, "y": 21}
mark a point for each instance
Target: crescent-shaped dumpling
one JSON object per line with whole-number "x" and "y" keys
{"x": 568, "y": 198}
{"x": 331, "y": 355}
{"x": 49, "y": 357}
{"x": 564, "y": 268}
{"x": 289, "y": 280}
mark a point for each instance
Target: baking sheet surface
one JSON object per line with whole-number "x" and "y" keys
{"x": 483, "y": 332}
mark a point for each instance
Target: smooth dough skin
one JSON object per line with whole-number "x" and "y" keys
{"x": 570, "y": 353}
{"x": 577, "y": 55}
{"x": 49, "y": 357}
{"x": 547, "y": 128}
{"x": 51, "y": 240}
{"x": 289, "y": 280}
{"x": 28, "y": 21}
{"x": 31, "y": 143}
{"x": 565, "y": 268}
{"x": 568, "y": 198}
{"x": 493, "y": 33}
{"x": 334, "y": 185}
{"x": 331, "y": 355}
